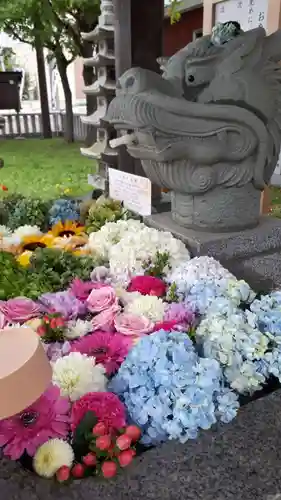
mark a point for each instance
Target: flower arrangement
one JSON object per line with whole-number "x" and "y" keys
{"x": 146, "y": 343}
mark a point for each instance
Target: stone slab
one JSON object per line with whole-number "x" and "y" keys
{"x": 262, "y": 272}
{"x": 265, "y": 238}
{"x": 238, "y": 461}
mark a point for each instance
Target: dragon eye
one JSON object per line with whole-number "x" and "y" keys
{"x": 191, "y": 78}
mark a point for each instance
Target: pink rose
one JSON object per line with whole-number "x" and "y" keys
{"x": 133, "y": 325}
{"x": 101, "y": 299}
{"x": 147, "y": 285}
{"x": 20, "y": 310}
{"x": 105, "y": 320}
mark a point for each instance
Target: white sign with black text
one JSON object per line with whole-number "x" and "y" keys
{"x": 134, "y": 191}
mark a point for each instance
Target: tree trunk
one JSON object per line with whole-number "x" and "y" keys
{"x": 69, "y": 119}
{"x": 45, "y": 113}
{"x": 91, "y": 101}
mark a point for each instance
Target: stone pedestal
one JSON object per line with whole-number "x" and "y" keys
{"x": 253, "y": 254}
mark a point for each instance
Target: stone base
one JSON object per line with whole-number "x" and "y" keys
{"x": 253, "y": 254}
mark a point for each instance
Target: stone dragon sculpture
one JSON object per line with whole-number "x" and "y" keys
{"x": 209, "y": 128}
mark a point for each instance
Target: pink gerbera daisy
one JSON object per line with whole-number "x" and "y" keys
{"x": 47, "y": 418}
{"x": 106, "y": 406}
{"x": 108, "y": 349}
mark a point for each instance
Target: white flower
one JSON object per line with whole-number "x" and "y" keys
{"x": 149, "y": 306}
{"x": 51, "y": 456}
{"x": 77, "y": 328}
{"x": 4, "y": 231}
{"x": 20, "y": 233}
{"x": 128, "y": 257}
{"x": 77, "y": 374}
{"x": 110, "y": 234}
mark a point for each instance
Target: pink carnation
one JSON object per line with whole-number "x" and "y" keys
{"x": 105, "y": 405}
{"x": 168, "y": 326}
{"x": 105, "y": 320}
{"x": 101, "y": 299}
{"x": 108, "y": 349}
{"x": 131, "y": 324}
{"x": 147, "y": 285}
{"x": 20, "y": 310}
{"x": 45, "y": 419}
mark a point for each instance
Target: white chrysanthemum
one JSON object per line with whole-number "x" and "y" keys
{"x": 149, "y": 306}
{"x": 51, "y": 456}
{"x": 77, "y": 328}
{"x": 110, "y": 234}
{"x": 128, "y": 257}
{"x": 4, "y": 231}
{"x": 77, "y": 374}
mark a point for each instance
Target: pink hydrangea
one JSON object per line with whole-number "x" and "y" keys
{"x": 108, "y": 349}
{"x": 82, "y": 289}
{"x": 105, "y": 405}
{"x": 45, "y": 419}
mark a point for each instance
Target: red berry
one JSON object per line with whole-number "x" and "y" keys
{"x": 125, "y": 458}
{"x": 78, "y": 471}
{"x": 60, "y": 322}
{"x": 134, "y": 432}
{"x": 103, "y": 442}
{"x": 99, "y": 429}
{"x": 123, "y": 442}
{"x": 63, "y": 474}
{"x": 109, "y": 469}
{"x": 90, "y": 460}
{"x": 53, "y": 323}
{"x": 46, "y": 319}
{"x": 41, "y": 330}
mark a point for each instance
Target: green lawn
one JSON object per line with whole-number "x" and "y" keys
{"x": 45, "y": 168}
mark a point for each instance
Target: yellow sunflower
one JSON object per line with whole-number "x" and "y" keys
{"x": 32, "y": 242}
{"x": 67, "y": 228}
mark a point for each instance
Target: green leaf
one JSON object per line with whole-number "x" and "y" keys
{"x": 80, "y": 442}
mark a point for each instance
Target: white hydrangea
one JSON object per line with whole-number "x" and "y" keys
{"x": 110, "y": 234}
{"x": 188, "y": 272}
{"x": 127, "y": 257}
{"x": 232, "y": 341}
{"x": 77, "y": 328}
{"x": 149, "y": 306}
{"x": 77, "y": 374}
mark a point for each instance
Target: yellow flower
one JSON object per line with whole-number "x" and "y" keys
{"x": 67, "y": 190}
{"x": 24, "y": 258}
{"x": 51, "y": 456}
{"x": 36, "y": 241}
{"x": 34, "y": 323}
{"x": 67, "y": 228}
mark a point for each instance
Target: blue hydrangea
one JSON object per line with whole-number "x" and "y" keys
{"x": 267, "y": 311}
{"x": 218, "y": 294}
{"x": 63, "y": 210}
{"x": 169, "y": 391}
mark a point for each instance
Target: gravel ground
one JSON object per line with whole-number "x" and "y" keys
{"x": 239, "y": 461}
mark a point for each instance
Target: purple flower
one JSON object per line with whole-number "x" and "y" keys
{"x": 180, "y": 313}
{"x": 57, "y": 350}
{"x": 63, "y": 303}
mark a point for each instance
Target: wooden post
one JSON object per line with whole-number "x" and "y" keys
{"x": 138, "y": 43}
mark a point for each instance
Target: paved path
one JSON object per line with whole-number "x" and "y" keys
{"x": 239, "y": 461}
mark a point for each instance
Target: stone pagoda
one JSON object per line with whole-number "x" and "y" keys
{"x": 103, "y": 63}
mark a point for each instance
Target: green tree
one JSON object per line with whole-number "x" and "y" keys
{"x": 57, "y": 26}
